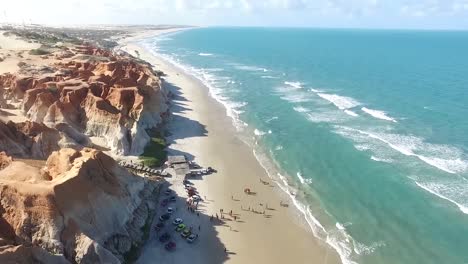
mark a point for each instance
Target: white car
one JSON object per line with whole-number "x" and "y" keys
{"x": 177, "y": 221}
{"x": 192, "y": 238}
{"x": 170, "y": 210}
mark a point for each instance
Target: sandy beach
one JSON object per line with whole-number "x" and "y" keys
{"x": 200, "y": 129}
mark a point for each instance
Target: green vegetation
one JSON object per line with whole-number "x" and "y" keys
{"x": 155, "y": 154}
{"x": 39, "y": 51}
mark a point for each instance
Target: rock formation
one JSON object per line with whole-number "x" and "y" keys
{"x": 92, "y": 94}
{"x": 62, "y": 201}
{"x": 81, "y": 207}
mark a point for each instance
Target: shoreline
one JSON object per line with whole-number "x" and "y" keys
{"x": 211, "y": 132}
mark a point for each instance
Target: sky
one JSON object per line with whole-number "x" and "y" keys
{"x": 404, "y": 14}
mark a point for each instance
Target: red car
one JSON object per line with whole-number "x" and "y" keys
{"x": 170, "y": 246}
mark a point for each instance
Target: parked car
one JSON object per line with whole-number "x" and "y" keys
{"x": 159, "y": 226}
{"x": 165, "y": 217}
{"x": 172, "y": 199}
{"x": 192, "y": 238}
{"x": 164, "y": 238}
{"x": 196, "y": 198}
{"x": 177, "y": 221}
{"x": 186, "y": 233}
{"x": 170, "y": 210}
{"x": 164, "y": 202}
{"x": 168, "y": 192}
{"x": 180, "y": 227}
{"x": 170, "y": 246}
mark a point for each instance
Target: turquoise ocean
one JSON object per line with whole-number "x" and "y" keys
{"x": 366, "y": 130}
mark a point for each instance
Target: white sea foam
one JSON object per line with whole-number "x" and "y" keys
{"x": 351, "y": 113}
{"x": 210, "y": 80}
{"x": 249, "y": 68}
{"x": 301, "y": 109}
{"x": 442, "y": 157}
{"x": 297, "y": 85}
{"x": 381, "y": 159}
{"x": 259, "y": 132}
{"x": 296, "y": 97}
{"x": 378, "y": 114}
{"x": 342, "y": 102}
{"x": 362, "y": 249}
{"x": 268, "y": 77}
{"x": 315, "y": 90}
{"x": 279, "y": 147}
{"x": 271, "y": 119}
{"x": 434, "y": 188}
{"x": 302, "y": 180}
{"x": 407, "y": 145}
{"x": 205, "y": 54}
{"x": 343, "y": 245}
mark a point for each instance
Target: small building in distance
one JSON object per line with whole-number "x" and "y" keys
{"x": 179, "y": 164}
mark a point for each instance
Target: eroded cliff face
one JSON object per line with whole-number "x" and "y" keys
{"x": 81, "y": 207}
{"x": 92, "y": 94}
{"x": 31, "y": 139}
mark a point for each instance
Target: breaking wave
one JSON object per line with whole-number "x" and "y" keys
{"x": 205, "y": 54}
{"x": 297, "y": 85}
{"x": 342, "y": 102}
{"x": 378, "y": 114}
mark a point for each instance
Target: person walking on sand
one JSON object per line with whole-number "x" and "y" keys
{"x": 217, "y": 216}
{"x": 230, "y": 213}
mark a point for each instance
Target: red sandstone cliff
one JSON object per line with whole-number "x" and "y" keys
{"x": 80, "y": 207}
{"x": 109, "y": 96}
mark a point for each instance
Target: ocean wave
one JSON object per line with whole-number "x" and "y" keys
{"x": 297, "y": 85}
{"x": 351, "y": 113}
{"x": 324, "y": 116}
{"x": 268, "y": 77}
{"x": 301, "y": 109}
{"x": 381, "y": 159}
{"x": 296, "y": 98}
{"x": 315, "y": 90}
{"x": 378, "y": 114}
{"x": 362, "y": 249}
{"x": 210, "y": 80}
{"x": 440, "y": 189}
{"x": 205, "y": 54}
{"x": 271, "y": 119}
{"x": 279, "y": 147}
{"x": 342, "y": 244}
{"x": 302, "y": 180}
{"x": 442, "y": 157}
{"x": 408, "y": 145}
{"x": 342, "y": 102}
{"x": 261, "y": 133}
{"x": 250, "y": 68}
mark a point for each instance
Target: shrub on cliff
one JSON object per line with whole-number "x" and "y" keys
{"x": 39, "y": 52}
{"x": 155, "y": 154}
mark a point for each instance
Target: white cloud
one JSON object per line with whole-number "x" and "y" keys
{"x": 233, "y": 12}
